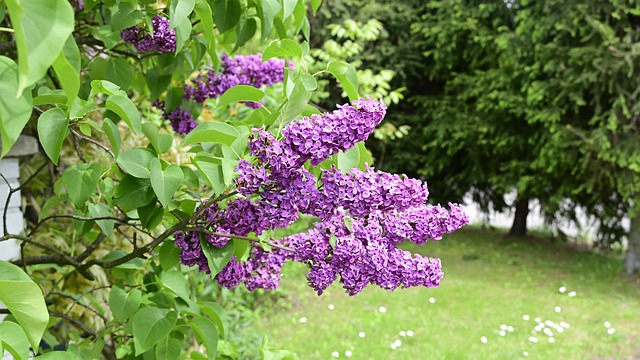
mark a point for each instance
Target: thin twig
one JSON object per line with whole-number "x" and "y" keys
{"x": 95, "y": 142}
{"x": 91, "y": 248}
{"x": 76, "y": 145}
{"x": 76, "y": 300}
{"x": 61, "y": 257}
{"x": 139, "y": 251}
{"x": 210, "y": 202}
{"x": 74, "y": 321}
{"x": 31, "y": 177}
{"x": 254, "y": 240}
{"x": 5, "y": 228}
{"x": 77, "y": 217}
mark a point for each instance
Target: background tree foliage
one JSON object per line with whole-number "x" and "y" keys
{"x": 537, "y": 96}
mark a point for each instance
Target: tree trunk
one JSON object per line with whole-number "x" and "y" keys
{"x": 519, "y": 227}
{"x": 632, "y": 263}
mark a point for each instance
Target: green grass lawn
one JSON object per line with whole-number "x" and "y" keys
{"x": 489, "y": 281}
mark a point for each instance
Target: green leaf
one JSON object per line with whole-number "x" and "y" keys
{"x": 105, "y": 34}
{"x": 212, "y": 132}
{"x": 211, "y": 171}
{"x": 105, "y": 87}
{"x": 157, "y": 82}
{"x": 226, "y": 14}
{"x": 81, "y": 181}
{"x": 50, "y": 204}
{"x": 102, "y": 210}
{"x": 53, "y": 128}
{"x": 118, "y": 71}
{"x": 349, "y": 159}
{"x": 124, "y": 303}
{"x": 217, "y": 314}
{"x": 169, "y": 255}
{"x": 14, "y": 112}
{"x": 150, "y": 325}
{"x": 134, "y": 193}
{"x": 14, "y": 340}
{"x": 137, "y": 162}
{"x": 121, "y": 105}
{"x": 269, "y": 10}
{"x": 50, "y": 98}
{"x": 179, "y": 12}
{"x": 346, "y": 74}
{"x": 288, "y": 6}
{"x": 41, "y": 29}
{"x": 67, "y": 68}
{"x": 190, "y": 177}
{"x": 203, "y": 12}
{"x": 365, "y": 156}
{"x": 241, "y": 248}
{"x": 282, "y": 48}
{"x": 113, "y": 134}
{"x": 176, "y": 282}
{"x": 228, "y": 349}
{"x": 240, "y": 93}
{"x": 165, "y": 141}
{"x": 297, "y": 102}
{"x": 150, "y": 215}
{"x": 125, "y": 16}
{"x": 24, "y": 300}
{"x": 183, "y": 33}
{"x": 217, "y": 258}
{"x": 169, "y": 348}
{"x": 59, "y": 355}
{"x": 310, "y": 83}
{"x": 150, "y": 130}
{"x": 270, "y": 352}
{"x": 207, "y": 334}
{"x": 165, "y": 182}
{"x": 315, "y": 5}
{"x": 245, "y": 32}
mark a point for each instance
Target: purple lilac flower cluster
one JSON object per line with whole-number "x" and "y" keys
{"x": 239, "y": 70}
{"x": 161, "y": 39}
{"x": 78, "y": 5}
{"x": 363, "y": 214}
{"x": 181, "y": 120}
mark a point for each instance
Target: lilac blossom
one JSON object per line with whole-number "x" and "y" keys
{"x": 160, "y": 39}
{"x": 239, "y": 70}
{"x": 232, "y": 275}
{"x": 320, "y": 136}
{"x": 181, "y": 120}
{"x": 363, "y": 214}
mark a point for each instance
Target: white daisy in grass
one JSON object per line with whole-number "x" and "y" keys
{"x": 484, "y": 339}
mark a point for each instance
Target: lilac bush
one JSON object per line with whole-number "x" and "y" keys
{"x": 363, "y": 214}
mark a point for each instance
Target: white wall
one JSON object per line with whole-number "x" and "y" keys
{"x": 587, "y": 228}
{"x": 10, "y": 169}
